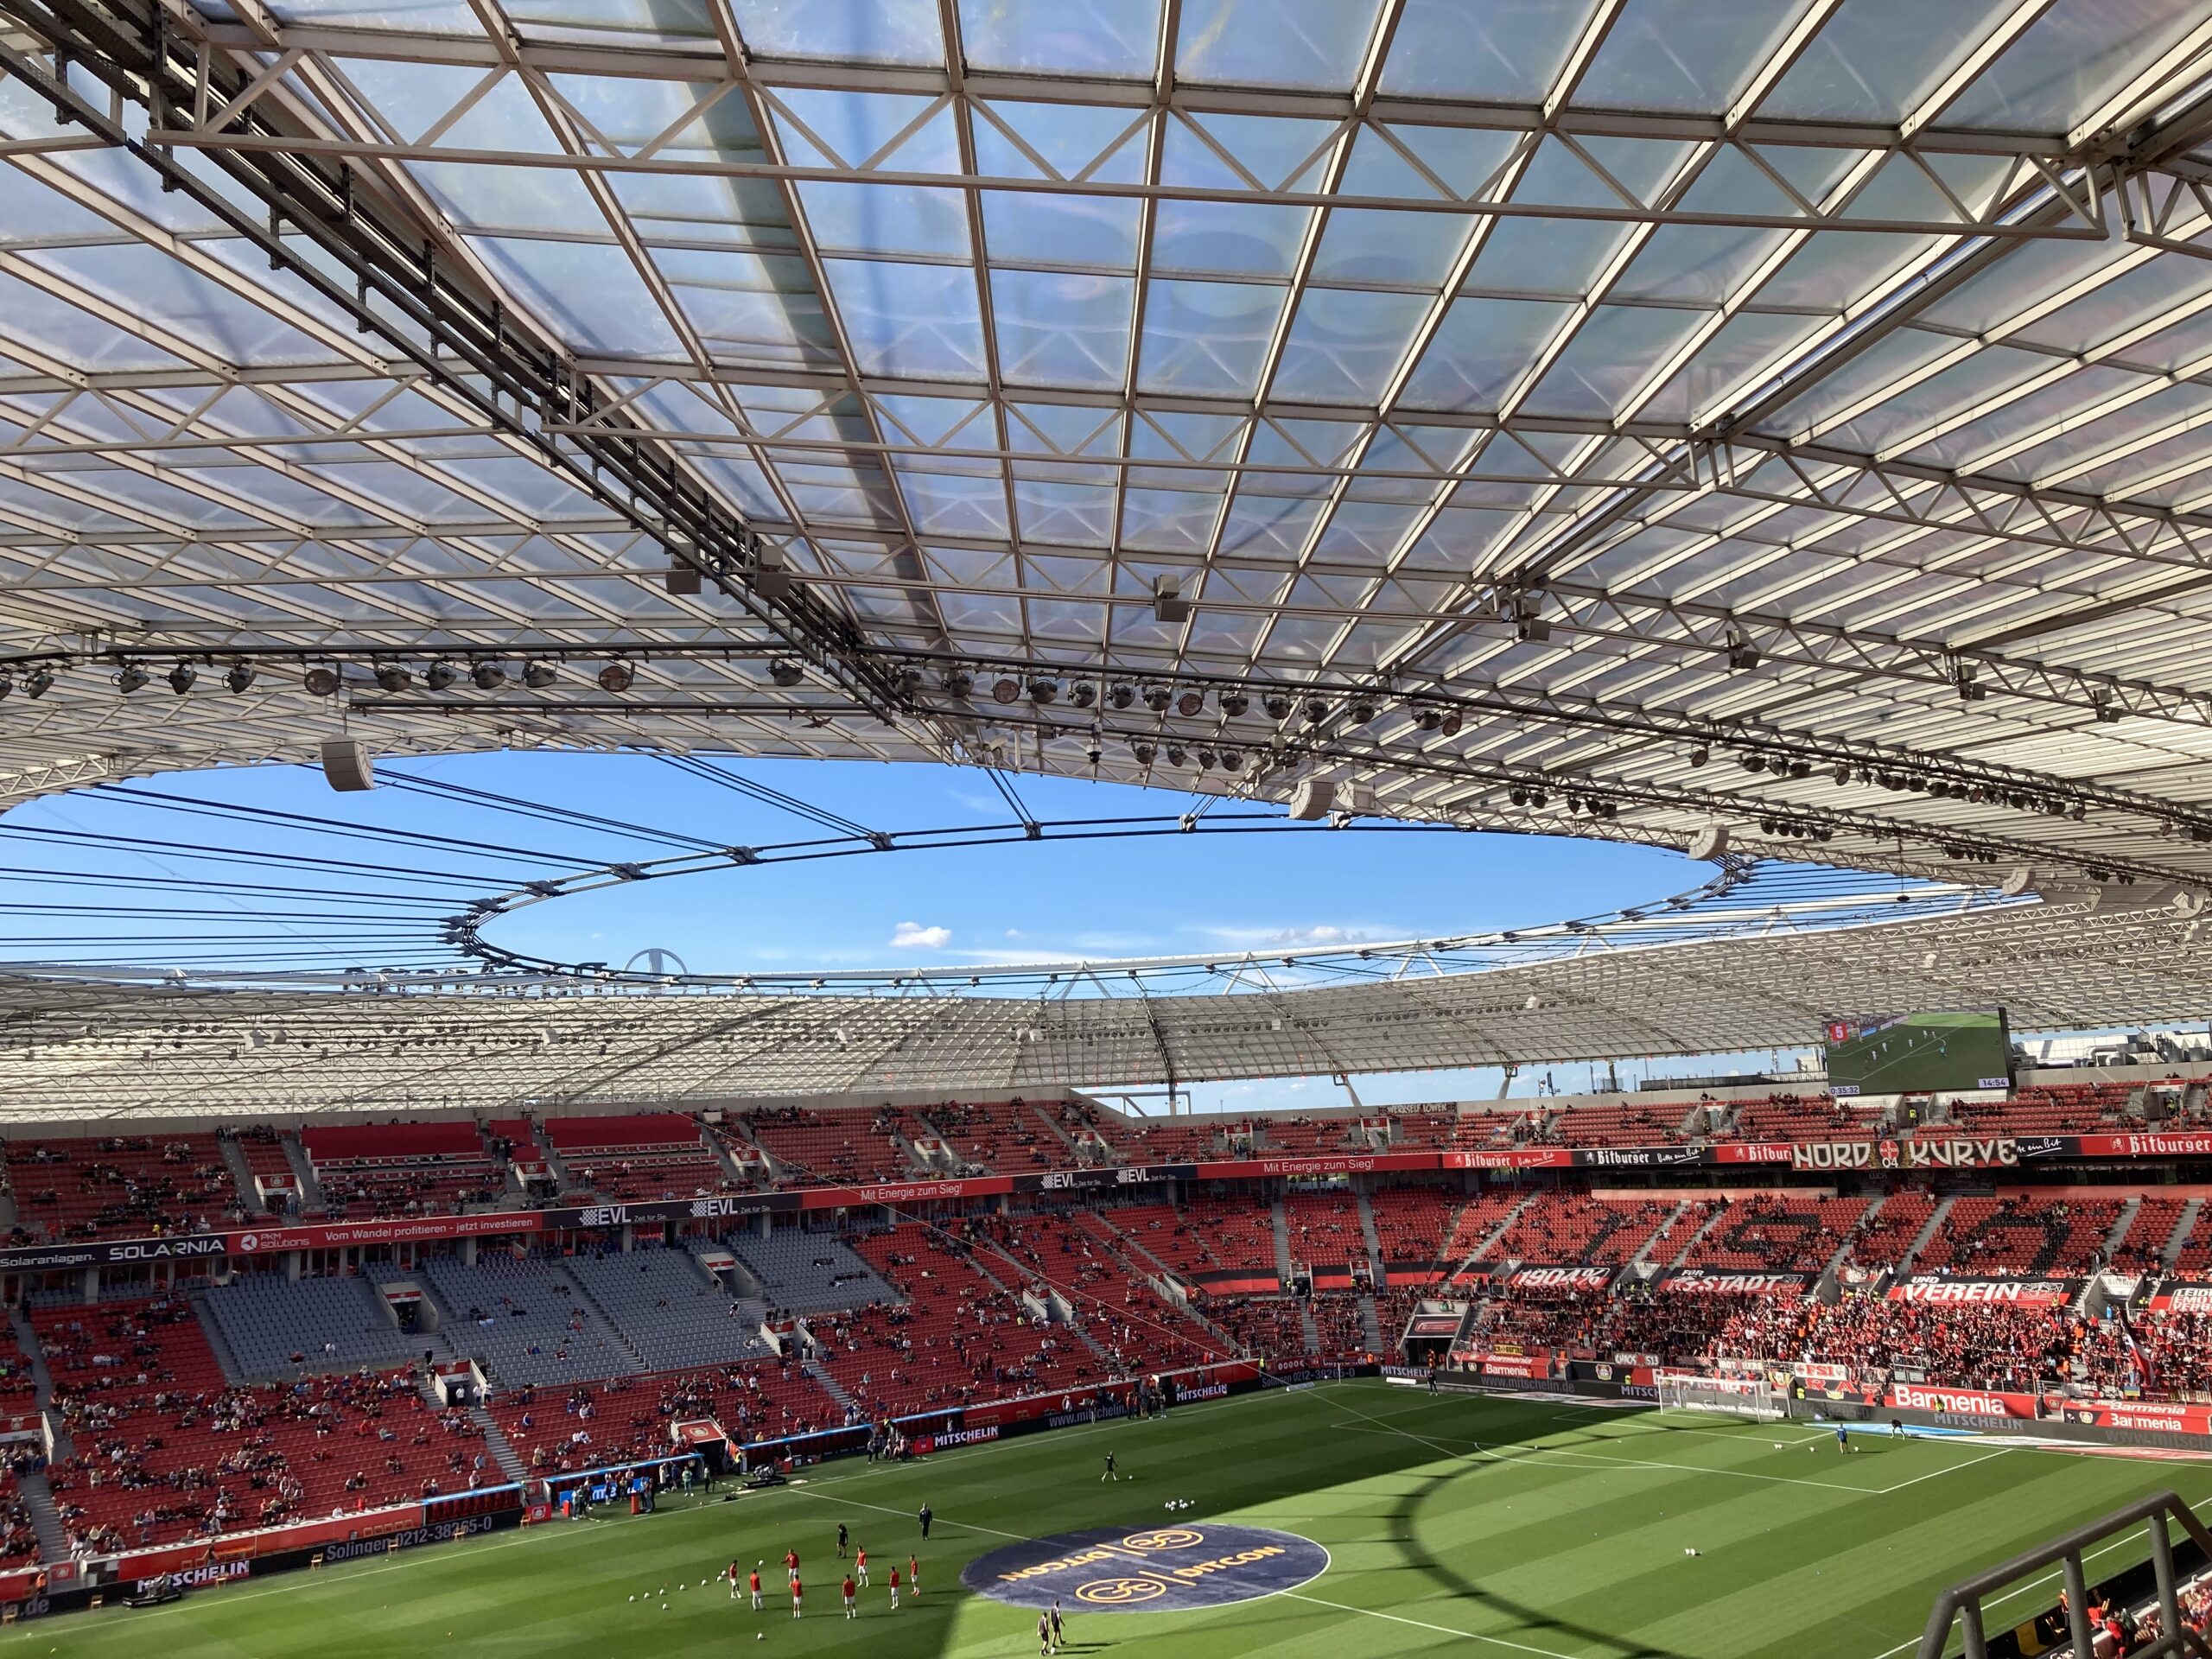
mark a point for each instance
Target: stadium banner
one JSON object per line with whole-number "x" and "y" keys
{"x": 2143, "y": 1146}
{"x": 1961, "y": 1402}
{"x": 2135, "y": 1414}
{"x": 1896, "y": 1152}
{"x": 2181, "y": 1296}
{"x": 1558, "y": 1278}
{"x": 1508, "y": 1158}
{"x": 1640, "y": 1157}
{"x": 1935, "y": 1292}
{"x": 1806, "y": 1370}
{"x": 1709, "y": 1282}
{"x": 1533, "y": 1364}
{"x": 1350, "y": 1163}
{"x": 1751, "y": 1152}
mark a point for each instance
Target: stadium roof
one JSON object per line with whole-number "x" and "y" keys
{"x": 1560, "y": 407}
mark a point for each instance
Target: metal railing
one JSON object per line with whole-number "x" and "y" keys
{"x": 1961, "y": 1606}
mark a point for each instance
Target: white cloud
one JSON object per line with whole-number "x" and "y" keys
{"x": 1322, "y": 933}
{"x": 913, "y": 936}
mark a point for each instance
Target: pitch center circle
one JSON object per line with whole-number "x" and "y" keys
{"x": 1152, "y": 1570}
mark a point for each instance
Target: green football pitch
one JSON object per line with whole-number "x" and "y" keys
{"x": 1522, "y": 1525}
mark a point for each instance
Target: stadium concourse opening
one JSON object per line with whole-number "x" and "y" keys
{"x": 1660, "y": 542}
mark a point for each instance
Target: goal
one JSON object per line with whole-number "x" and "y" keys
{"x": 1732, "y": 1396}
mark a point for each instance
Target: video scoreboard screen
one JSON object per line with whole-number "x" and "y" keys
{"x": 1920, "y": 1054}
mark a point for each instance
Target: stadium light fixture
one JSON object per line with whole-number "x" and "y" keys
{"x": 617, "y": 678}
{"x": 1044, "y": 690}
{"x": 320, "y": 681}
{"x": 180, "y": 678}
{"x": 1191, "y": 704}
{"x": 1277, "y": 706}
{"x": 488, "y": 676}
{"x": 7, "y": 687}
{"x": 132, "y": 678}
{"x": 1121, "y": 694}
{"x": 1084, "y": 694}
{"x": 440, "y": 676}
{"x": 783, "y": 672}
{"x": 240, "y": 678}
{"x": 539, "y": 674}
{"x": 393, "y": 676}
{"x": 38, "y": 683}
{"x": 1232, "y": 759}
{"x": 1157, "y": 697}
{"x": 1235, "y": 703}
{"x": 960, "y": 684}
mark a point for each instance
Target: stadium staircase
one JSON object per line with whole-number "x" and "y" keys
{"x": 820, "y": 1373}
{"x": 1830, "y": 1274}
{"x": 241, "y": 1171}
{"x": 311, "y": 1199}
{"x": 1666, "y": 1230}
{"x": 225, "y": 1355}
{"x": 1378, "y": 1269}
{"x": 725, "y": 1155}
{"x": 2119, "y": 1228}
{"x": 621, "y": 1336}
{"x": 2189, "y": 1211}
{"x": 1935, "y": 1220}
{"x": 1483, "y": 1243}
{"x": 1282, "y": 1250}
{"x": 501, "y": 1448}
{"x": 37, "y": 1495}
{"x": 1052, "y": 1124}
{"x": 1370, "y": 1321}
{"x": 1311, "y": 1330}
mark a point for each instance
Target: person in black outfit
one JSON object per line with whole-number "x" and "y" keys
{"x": 841, "y": 1540}
{"x": 926, "y": 1517}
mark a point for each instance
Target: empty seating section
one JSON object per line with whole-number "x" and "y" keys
{"x": 672, "y": 1314}
{"x": 1168, "y": 1143}
{"x": 1412, "y": 1224}
{"x": 409, "y": 1169}
{"x": 1323, "y": 1229}
{"x": 1414, "y": 1130}
{"x": 594, "y": 1425}
{"x": 166, "y": 1450}
{"x": 1886, "y": 1233}
{"x": 993, "y": 1134}
{"x": 957, "y": 1337}
{"x": 2022, "y": 1234}
{"x": 1612, "y": 1126}
{"x": 831, "y": 1146}
{"x": 1561, "y": 1228}
{"x": 1792, "y": 1117}
{"x": 2196, "y": 1258}
{"x": 275, "y": 1327}
{"x": 637, "y": 1160}
{"x": 1771, "y": 1234}
{"x": 523, "y": 1320}
{"x": 806, "y": 1273}
{"x": 1309, "y": 1136}
{"x": 2050, "y": 1109}
{"x": 120, "y": 1186}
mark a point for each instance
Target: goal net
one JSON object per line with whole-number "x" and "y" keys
{"x": 1732, "y": 1396}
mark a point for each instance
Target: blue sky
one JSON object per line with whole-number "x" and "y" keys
{"x": 1197, "y": 894}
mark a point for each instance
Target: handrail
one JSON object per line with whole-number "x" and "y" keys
{"x": 1961, "y": 1604}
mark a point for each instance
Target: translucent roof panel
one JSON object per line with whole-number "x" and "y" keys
{"x": 1644, "y": 383}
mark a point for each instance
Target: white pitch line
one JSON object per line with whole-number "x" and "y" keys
{"x": 1423, "y": 1625}
{"x": 1948, "y": 1469}
{"x": 2018, "y": 1590}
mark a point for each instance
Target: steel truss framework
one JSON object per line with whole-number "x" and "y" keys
{"x": 81, "y": 1050}
{"x": 1624, "y": 389}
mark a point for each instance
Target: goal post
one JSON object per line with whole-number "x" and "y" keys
{"x": 1749, "y": 1397}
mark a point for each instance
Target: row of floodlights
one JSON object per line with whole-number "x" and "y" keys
{"x": 1189, "y": 702}
{"x": 325, "y": 680}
